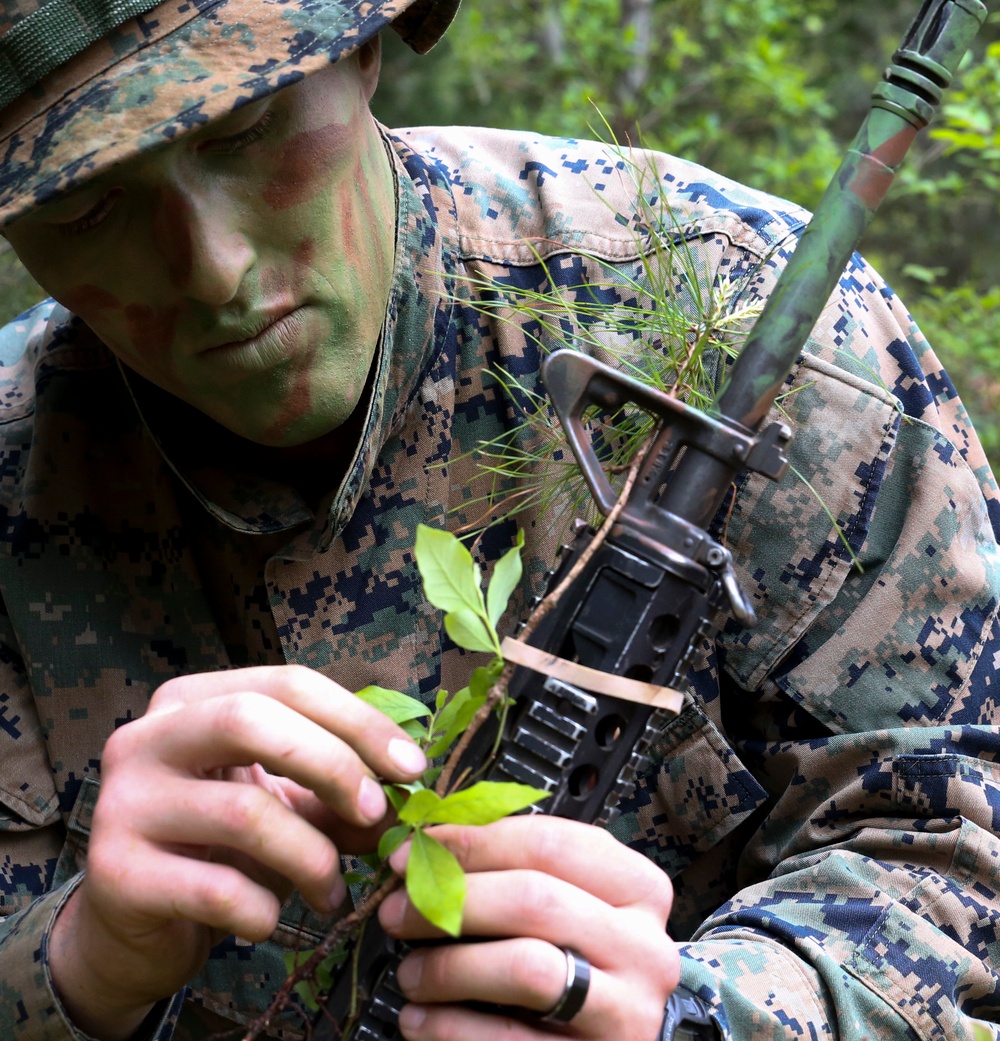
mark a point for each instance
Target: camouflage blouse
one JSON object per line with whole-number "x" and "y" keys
{"x": 828, "y": 801}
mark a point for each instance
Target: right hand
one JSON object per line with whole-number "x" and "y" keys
{"x": 233, "y": 789}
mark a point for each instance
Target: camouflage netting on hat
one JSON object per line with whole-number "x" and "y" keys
{"x": 148, "y": 79}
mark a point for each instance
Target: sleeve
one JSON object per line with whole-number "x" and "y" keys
{"x": 865, "y": 895}
{"x": 39, "y": 868}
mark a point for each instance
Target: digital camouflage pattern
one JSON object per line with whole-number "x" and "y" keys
{"x": 827, "y": 803}
{"x": 169, "y": 71}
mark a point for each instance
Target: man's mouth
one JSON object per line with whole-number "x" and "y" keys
{"x": 266, "y": 340}
{"x": 238, "y": 334}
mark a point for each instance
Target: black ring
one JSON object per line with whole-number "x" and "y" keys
{"x": 575, "y": 992}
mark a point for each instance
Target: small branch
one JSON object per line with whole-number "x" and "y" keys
{"x": 343, "y": 928}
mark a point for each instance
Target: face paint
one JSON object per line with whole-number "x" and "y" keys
{"x": 244, "y": 268}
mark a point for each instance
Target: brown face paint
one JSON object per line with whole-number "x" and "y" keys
{"x": 87, "y": 298}
{"x": 304, "y": 161}
{"x": 150, "y": 329}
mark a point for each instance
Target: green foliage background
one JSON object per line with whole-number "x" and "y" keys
{"x": 769, "y": 92}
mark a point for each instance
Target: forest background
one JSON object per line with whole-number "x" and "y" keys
{"x": 769, "y": 92}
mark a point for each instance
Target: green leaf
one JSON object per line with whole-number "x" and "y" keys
{"x": 398, "y": 707}
{"x": 506, "y": 576}
{"x": 453, "y": 720}
{"x": 414, "y": 729}
{"x": 468, "y": 630}
{"x": 419, "y": 805}
{"x": 482, "y": 679}
{"x": 483, "y": 803}
{"x": 435, "y": 883}
{"x": 444, "y": 722}
{"x": 396, "y": 798}
{"x": 392, "y": 839}
{"x": 450, "y": 575}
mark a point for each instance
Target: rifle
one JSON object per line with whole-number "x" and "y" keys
{"x": 601, "y": 673}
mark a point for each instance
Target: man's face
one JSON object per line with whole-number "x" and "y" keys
{"x": 244, "y": 268}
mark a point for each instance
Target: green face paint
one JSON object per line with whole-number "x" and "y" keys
{"x": 244, "y": 268}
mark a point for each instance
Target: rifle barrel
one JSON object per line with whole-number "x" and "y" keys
{"x": 902, "y": 104}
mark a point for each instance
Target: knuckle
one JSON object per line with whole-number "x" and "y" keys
{"x": 299, "y": 681}
{"x": 296, "y": 675}
{"x": 248, "y": 808}
{"x": 647, "y": 885}
{"x": 168, "y": 692}
{"x": 217, "y": 902}
{"x": 548, "y": 843}
{"x": 234, "y": 715}
{"x": 534, "y": 899}
{"x": 119, "y": 747}
{"x": 537, "y": 968}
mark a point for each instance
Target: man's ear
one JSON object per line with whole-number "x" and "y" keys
{"x": 370, "y": 63}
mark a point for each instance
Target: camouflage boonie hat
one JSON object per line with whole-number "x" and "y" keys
{"x": 88, "y": 83}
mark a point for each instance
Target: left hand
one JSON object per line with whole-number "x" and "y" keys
{"x": 536, "y": 884}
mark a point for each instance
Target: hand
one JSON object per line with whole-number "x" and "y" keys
{"x": 233, "y": 789}
{"x": 536, "y": 884}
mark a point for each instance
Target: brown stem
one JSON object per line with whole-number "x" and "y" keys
{"x": 343, "y": 928}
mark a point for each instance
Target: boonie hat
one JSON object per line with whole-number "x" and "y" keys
{"x": 88, "y": 83}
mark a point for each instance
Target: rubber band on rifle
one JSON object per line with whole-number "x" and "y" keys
{"x": 589, "y": 679}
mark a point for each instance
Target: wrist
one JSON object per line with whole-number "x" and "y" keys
{"x": 89, "y": 978}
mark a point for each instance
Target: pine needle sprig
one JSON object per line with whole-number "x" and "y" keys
{"x": 672, "y": 326}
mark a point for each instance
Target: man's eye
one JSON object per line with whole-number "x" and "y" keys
{"x": 94, "y": 216}
{"x": 228, "y": 145}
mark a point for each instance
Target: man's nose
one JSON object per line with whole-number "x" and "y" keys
{"x": 207, "y": 251}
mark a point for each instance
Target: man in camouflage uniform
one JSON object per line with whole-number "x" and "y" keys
{"x": 216, "y": 448}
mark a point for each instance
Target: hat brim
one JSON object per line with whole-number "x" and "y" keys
{"x": 173, "y": 70}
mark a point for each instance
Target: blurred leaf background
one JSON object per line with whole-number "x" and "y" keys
{"x": 769, "y": 92}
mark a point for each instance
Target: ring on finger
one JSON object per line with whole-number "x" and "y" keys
{"x": 574, "y": 993}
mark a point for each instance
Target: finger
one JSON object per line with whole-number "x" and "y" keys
{"x": 348, "y": 838}
{"x": 584, "y": 856}
{"x": 531, "y": 904}
{"x": 169, "y": 886}
{"x": 250, "y": 820}
{"x": 455, "y": 1023}
{"x": 526, "y": 973}
{"x": 239, "y": 729}
{"x": 384, "y": 746}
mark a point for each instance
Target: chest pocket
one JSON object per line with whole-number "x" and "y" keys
{"x": 842, "y": 630}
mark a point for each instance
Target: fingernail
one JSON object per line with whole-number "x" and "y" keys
{"x": 409, "y": 972}
{"x": 411, "y": 1017}
{"x": 371, "y": 800}
{"x": 407, "y": 756}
